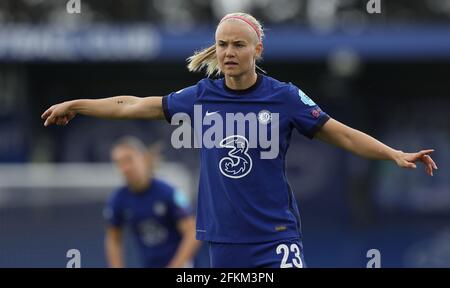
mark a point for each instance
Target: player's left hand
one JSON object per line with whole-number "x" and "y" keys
{"x": 408, "y": 160}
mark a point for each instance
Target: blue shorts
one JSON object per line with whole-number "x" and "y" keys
{"x": 286, "y": 253}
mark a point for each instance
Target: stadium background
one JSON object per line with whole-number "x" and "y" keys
{"x": 386, "y": 74}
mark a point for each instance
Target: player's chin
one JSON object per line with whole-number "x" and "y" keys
{"x": 232, "y": 72}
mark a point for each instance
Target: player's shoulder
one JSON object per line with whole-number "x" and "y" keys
{"x": 161, "y": 183}
{"x": 122, "y": 191}
{"x": 165, "y": 191}
{"x": 162, "y": 186}
{"x": 287, "y": 90}
{"x": 119, "y": 194}
{"x": 278, "y": 85}
{"x": 199, "y": 88}
{"x": 207, "y": 84}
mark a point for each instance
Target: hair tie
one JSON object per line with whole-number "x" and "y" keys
{"x": 246, "y": 21}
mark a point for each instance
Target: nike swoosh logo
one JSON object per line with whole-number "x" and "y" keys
{"x": 211, "y": 113}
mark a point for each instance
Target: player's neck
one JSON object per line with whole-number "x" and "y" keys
{"x": 241, "y": 82}
{"x": 140, "y": 187}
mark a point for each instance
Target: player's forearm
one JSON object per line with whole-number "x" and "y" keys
{"x": 113, "y": 107}
{"x": 114, "y": 253}
{"x": 368, "y": 147}
{"x": 355, "y": 141}
{"x": 185, "y": 252}
{"x": 119, "y": 107}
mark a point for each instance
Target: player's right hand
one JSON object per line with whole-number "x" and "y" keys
{"x": 58, "y": 114}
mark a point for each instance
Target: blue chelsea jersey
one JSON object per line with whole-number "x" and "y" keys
{"x": 244, "y": 195}
{"x": 152, "y": 216}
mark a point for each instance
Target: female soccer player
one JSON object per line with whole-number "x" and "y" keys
{"x": 246, "y": 209}
{"x": 159, "y": 216}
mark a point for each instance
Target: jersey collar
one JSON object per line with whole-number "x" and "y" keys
{"x": 244, "y": 91}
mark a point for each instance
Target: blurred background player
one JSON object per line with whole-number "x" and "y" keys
{"x": 159, "y": 216}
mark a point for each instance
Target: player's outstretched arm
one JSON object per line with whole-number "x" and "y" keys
{"x": 118, "y": 107}
{"x": 357, "y": 142}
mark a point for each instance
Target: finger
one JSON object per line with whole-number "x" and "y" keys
{"x": 61, "y": 121}
{"x": 44, "y": 115}
{"x": 429, "y": 173}
{"x": 426, "y": 152}
{"x": 49, "y": 121}
{"x": 432, "y": 162}
{"x": 70, "y": 116}
{"x": 426, "y": 159}
{"x": 47, "y": 113}
{"x": 419, "y": 156}
{"x": 410, "y": 165}
{"x": 429, "y": 161}
{"x": 427, "y": 170}
{"x": 429, "y": 167}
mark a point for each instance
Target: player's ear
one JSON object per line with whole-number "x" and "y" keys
{"x": 258, "y": 50}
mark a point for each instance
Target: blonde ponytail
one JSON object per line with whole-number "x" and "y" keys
{"x": 204, "y": 58}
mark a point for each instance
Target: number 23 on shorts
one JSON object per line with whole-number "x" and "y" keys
{"x": 292, "y": 249}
